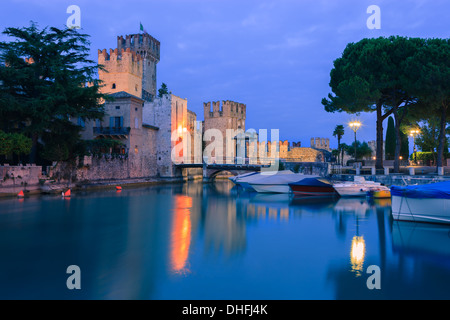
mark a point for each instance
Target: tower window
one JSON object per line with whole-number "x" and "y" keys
{"x": 117, "y": 107}
{"x": 113, "y": 86}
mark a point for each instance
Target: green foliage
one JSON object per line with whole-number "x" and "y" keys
{"x": 163, "y": 90}
{"x": 44, "y": 77}
{"x": 427, "y": 140}
{"x": 362, "y": 150}
{"x": 391, "y": 142}
{"x": 338, "y": 133}
{"x": 14, "y": 143}
{"x": 404, "y": 148}
{"x": 389, "y": 147}
{"x": 5, "y": 144}
{"x": 424, "y": 156}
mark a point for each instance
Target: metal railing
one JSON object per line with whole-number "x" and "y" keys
{"x": 112, "y": 130}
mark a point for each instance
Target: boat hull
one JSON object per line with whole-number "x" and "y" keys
{"x": 380, "y": 194}
{"x": 313, "y": 191}
{"x": 351, "y": 191}
{"x": 421, "y": 209}
{"x": 271, "y": 188}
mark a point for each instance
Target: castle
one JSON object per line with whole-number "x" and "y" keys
{"x": 153, "y": 131}
{"x": 142, "y": 122}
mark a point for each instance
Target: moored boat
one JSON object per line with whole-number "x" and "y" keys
{"x": 361, "y": 188}
{"x": 313, "y": 187}
{"x": 379, "y": 193}
{"x": 277, "y": 183}
{"x": 244, "y": 180}
{"x": 350, "y": 189}
{"x": 422, "y": 203}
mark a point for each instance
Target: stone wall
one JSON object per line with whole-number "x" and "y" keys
{"x": 97, "y": 169}
{"x": 16, "y": 176}
{"x": 310, "y": 168}
{"x": 294, "y": 154}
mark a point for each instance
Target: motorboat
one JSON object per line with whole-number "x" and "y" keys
{"x": 350, "y": 189}
{"x": 241, "y": 177}
{"x": 313, "y": 187}
{"x": 380, "y": 192}
{"x": 277, "y": 183}
{"x": 361, "y": 188}
{"x": 244, "y": 180}
{"x": 422, "y": 203}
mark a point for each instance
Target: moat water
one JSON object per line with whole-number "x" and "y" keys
{"x": 195, "y": 241}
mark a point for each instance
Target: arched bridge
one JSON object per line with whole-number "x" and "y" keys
{"x": 210, "y": 171}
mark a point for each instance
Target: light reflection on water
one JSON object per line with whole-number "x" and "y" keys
{"x": 195, "y": 241}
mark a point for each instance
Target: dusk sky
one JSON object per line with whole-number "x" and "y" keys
{"x": 273, "y": 56}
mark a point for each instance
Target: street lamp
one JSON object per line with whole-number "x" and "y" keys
{"x": 413, "y": 133}
{"x": 355, "y": 125}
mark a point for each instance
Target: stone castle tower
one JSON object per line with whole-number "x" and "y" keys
{"x": 124, "y": 71}
{"x": 228, "y": 115}
{"x": 321, "y": 143}
{"x": 131, "y": 66}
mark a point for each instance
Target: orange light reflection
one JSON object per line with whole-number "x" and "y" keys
{"x": 181, "y": 233}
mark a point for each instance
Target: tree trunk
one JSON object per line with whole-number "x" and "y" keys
{"x": 440, "y": 149}
{"x": 398, "y": 143}
{"x": 339, "y": 150}
{"x": 379, "y": 154}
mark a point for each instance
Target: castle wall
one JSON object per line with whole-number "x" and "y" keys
{"x": 169, "y": 113}
{"x": 125, "y": 71}
{"x": 321, "y": 143}
{"x": 149, "y": 49}
{"x": 294, "y": 154}
{"x": 224, "y": 116}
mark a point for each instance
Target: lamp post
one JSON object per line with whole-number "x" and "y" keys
{"x": 355, "y": 125}
{"x": 413, "y": 133}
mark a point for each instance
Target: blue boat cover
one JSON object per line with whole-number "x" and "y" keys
{"x": 439, "y": 190}
{"x": 315, "y": 182}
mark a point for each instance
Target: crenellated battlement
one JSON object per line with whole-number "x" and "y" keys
{"x": 320, "y": 143}
{"x": 225, "y": 109}
{"x": 120, "y": 61}
{"x": 144, "y": 44}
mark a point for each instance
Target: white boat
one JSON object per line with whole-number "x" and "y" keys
{"x": 350, "y": 189}
{"x": 277, "y": 183}
{"x": 358, "y": 188}
{"x": 244, "y": 180}
{"x": 241, "y": 176}
{"x": 422, "y": 203}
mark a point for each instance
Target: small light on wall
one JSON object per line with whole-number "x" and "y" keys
{"x": 136, "y": 150}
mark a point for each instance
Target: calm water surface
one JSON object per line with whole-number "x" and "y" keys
{"x": 195, "y": 241}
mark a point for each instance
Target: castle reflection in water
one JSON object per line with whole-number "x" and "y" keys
{"x": 224, "y": 218}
